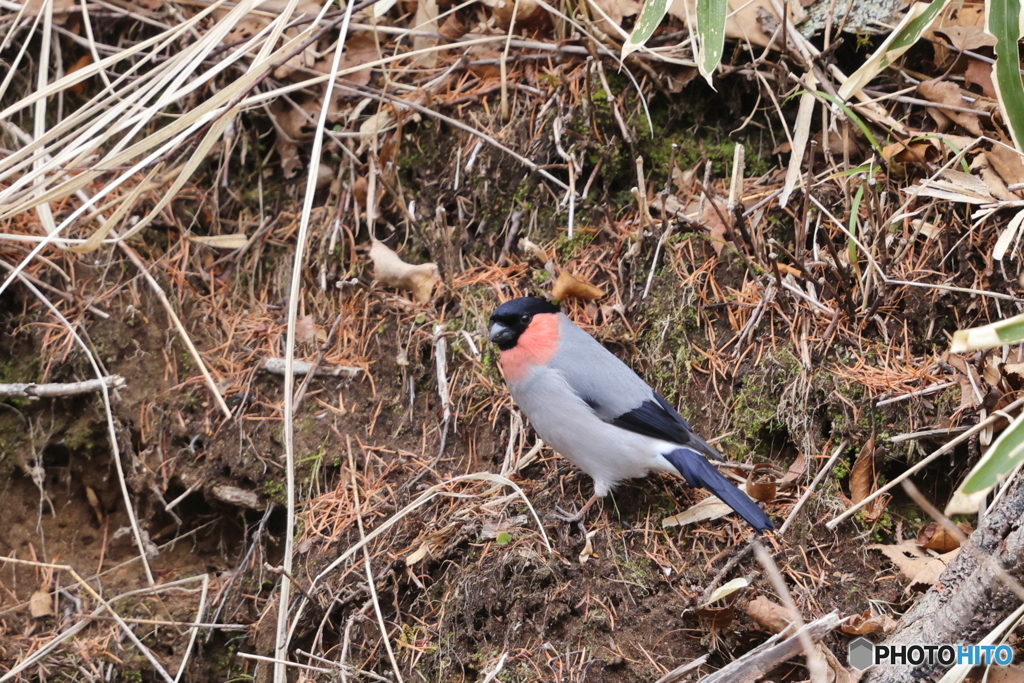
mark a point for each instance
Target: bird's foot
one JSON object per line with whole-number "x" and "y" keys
{"x": 570, "y": 517}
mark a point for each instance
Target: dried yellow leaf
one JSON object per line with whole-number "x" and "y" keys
{"x": 570, "y": 287}
{"x": 392, "y": 271}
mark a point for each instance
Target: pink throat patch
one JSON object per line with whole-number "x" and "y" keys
{"x": 536, "y": 346}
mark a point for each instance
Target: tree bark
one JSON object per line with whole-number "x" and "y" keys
{"x": 969, "y": 599}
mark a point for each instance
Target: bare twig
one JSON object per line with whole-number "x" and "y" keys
{"x": 52, "y": 390}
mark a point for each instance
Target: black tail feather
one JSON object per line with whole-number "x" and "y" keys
{"x": 700, "y": 473}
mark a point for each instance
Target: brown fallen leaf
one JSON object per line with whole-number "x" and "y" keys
{"x": 360, "y": 49}
{"x": 481, "y": 53}
{"x": 1007, "y": 163}
{"x": 41, "y": 603}
{"x": 568, "y": 286}
{"x": 80, "y": 63}
{"x": 305, "y": 328}
{"x": 615, "y": 11}
{"x": 935, "y": 537}
{"x": 530, "y": 14}
{"x": 863, "y": 478}
{"x": 768, "y": 615}
{"x": 453, "y": 28}
{"x": 796, "y": 470}
{"x": 920, "y": 568}
{"x": 711, "y": 219}
{"x": 392, "y": 271}
{"x": 763, "y": 491}
{"x": 949, "y": 93}
{"x": 993, "y": 181}
{"x": 752, "y": 22}
{"x": 921, "y": 152}
{"x": 979, "y": 73}
{"x": 863, "y": 624}
{"x": 709, "y": 508}
{"x": 426, "y": 21}
{"x": 716, "y": 617}
{"x": 293, "y": 125}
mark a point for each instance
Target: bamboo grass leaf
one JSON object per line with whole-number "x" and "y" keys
{"x": 915, "y": 22}
{"x": 1002, "y": 21}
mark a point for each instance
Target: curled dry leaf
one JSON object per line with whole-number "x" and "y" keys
{"x": 41, "y": 603}
{"x": 392, "y": 271}
{"x": 934, "y": 536}
{"x": 615, "y": 11}
{"x": 922, "y": 152}
{"x": 727, "y": 589}
{"x": 752, "y": 22}
{"x": 863, "y": 624}
{"x": 426, "y": 20}
{"x": 709, "y": 508}
{"x": 533, "y": 251}
{"x": 949, "y": 93}
{"x": 530, "y": 14}
{"x": 796, "y": 470}
{"x": 768, "y": 615}
{"x": 588, "y": 548}
{"x": 718, "y": 618}
{"x": 863, "y": 476}
{"x": 763, "y": 491}
{"x": 568, "y": 286}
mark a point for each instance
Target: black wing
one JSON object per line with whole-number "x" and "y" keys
{"x": 659, "y": 420}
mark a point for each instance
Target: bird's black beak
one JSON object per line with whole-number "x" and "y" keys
{"x": 500, "y": 334}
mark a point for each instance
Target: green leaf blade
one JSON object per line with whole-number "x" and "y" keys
{"x": 1003, "y": 23}
{"x": 710, "y": 35}
{"x": 646, "y": 23}
{"x": 1005, "y": 454}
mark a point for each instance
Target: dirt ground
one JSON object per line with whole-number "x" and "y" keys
{"x": 412, "y": 559}
{"x": 486, "y": 584}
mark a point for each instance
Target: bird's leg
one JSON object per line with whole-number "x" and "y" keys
{"x": 577, "y": 516}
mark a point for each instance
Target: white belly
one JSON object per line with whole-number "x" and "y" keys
{"x": 609, "y": 454}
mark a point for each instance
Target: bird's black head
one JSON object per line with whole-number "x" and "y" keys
{"x": 513, "y": 317}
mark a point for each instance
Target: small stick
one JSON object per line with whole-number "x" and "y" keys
{"x": 55, "y": 389}
{"x": 275, "y": 366}
{"x": 816, "y": 666}
{"x": 920, "y": 392}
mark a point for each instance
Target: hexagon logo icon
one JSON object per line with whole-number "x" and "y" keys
{"x": 862, "y": 653}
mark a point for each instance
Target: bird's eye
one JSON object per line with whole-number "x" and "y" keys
{"x": 525, "y": 318}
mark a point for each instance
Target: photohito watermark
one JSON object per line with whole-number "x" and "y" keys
{"x": 864, "y": 653}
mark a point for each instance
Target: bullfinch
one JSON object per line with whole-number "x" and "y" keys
{"x": 591, "y": 408}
